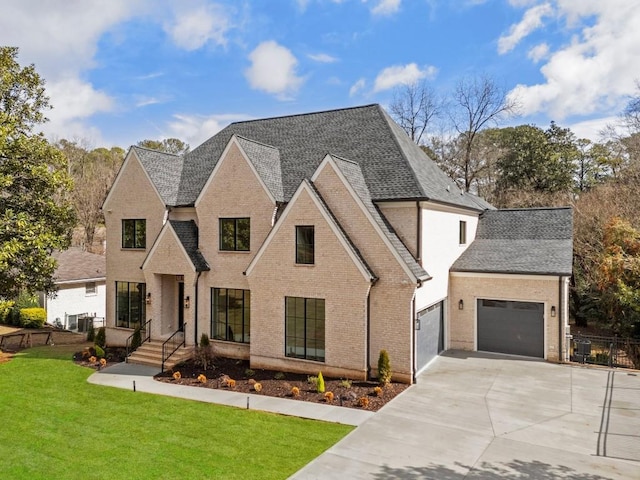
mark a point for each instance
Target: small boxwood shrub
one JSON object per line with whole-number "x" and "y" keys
{"x": 99, "y": 351}
{"x": 320, "y": 385}
{"x": 5, "y": 310}
{"x": 384, "y": 368}
{"x": 33, "y": 317}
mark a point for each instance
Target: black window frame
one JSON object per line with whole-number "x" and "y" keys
{"x": 240, "y": 238}
{"x": 305, "y": 249}
{"x": 219, "y": 325}
{"x": 133, "y": 313}
{"x": 90, "y": 289}
{"x": 299, "y": 323}
{"x": 462, "y": 235}
{"x": 134, "y": 237}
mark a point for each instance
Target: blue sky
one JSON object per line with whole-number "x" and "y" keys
{"x": 120, "y": 71}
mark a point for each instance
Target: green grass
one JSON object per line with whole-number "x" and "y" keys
{"x": 55, "y": 425}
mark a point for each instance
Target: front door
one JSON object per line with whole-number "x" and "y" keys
{"x": 180, "y": 305}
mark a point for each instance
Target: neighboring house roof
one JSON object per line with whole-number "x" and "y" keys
{"x": 393, "y": 166}
{"x": 187, "y": 232}
{"x": 76, "y": 265}
{"x": 353, "y": 174}
{"x": 524, "y": 241}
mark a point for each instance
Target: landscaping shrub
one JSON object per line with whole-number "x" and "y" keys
{"x": 204, "y": 352}
{"x": 378, "y": 391}
{"x": 384, "y": 368}
{"x": 177, "y": 375}
{"x": 279, "y": 376}
{"x": 345, "y": 383}
{"x": 101, "y": 337}
{"x": 249, "y": 373}
{"x": 363, "y": 402}
{"x": 99, "y": 351}
{"x": 32, "y": 317}
{"x": 328, "y": 397}
{"x": 320, "y": 384}
{"x": 5, "y": 310}
{"x": 257, "y": 387}
{"x": 202, "y": 378}
{"x": 91, "y": 332}
{"x": 136, "y": 339}
{"x": 295, "y": 392}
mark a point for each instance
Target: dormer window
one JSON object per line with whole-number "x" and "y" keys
{"x": 235, "y": 234}
{"x": 463, "y": 233}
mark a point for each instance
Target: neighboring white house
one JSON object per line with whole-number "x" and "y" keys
{"x": 81, "y": 279}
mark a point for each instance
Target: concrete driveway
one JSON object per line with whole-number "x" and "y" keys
{"x": 478, "y": 416}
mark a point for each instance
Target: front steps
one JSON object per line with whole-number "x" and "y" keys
{"x": 150, "y": 353}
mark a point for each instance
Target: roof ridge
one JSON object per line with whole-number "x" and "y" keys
{"x": 524, "y": 209}
{"x": 155, "y": 151}
{"x": 306, "y": 114}
{"x": 338, "y": 157}
{"x": 256, "y": 141}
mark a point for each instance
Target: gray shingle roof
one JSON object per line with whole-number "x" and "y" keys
{"x": 393, "y": 166}
{"x": 75, "y": 264}
{"x": 187, "y": 233}
{"x": 164, "y": 169}
{"x": 354, "y": 176}
{"x": 266, "y": 160}
{"x": 526, "y": 241}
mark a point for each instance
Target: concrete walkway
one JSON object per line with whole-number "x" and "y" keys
{"x": 124, "y": 375}
{"x": 475, "y": 416}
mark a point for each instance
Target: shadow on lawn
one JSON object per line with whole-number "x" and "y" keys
{"x": 516, "y": 470}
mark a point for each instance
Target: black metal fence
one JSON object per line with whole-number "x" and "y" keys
{"x": 608, "y": 351}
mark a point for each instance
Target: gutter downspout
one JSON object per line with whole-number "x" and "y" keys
{"x": 560, "y": 320}
{"x": 195, "y": 320}
{"x": 418, "y": 234}
{"x": 414, "y": 363}
{"x": 367, "y": 321}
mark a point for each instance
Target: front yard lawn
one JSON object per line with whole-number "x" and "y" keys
{"x": 53, "y": 424}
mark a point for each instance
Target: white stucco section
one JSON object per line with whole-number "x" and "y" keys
{"x": 72, "y": 299}
{"x": 440, "y": 235}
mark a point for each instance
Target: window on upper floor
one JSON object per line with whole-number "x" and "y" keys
{"x": 305, "y": 244}
{"x": 463, "y": 233}
{"x": 231, "y": 314}
{"x": 130, "y": 304}
{"x": 235, "y": 234}
{"x": 134, "y": 233}
{"x": 305, "y": 328}
{"x": 90, "y": 288}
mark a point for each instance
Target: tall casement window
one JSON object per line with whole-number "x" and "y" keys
{"x": 304, "y": 328}
{"x": 305, "y": 245}
{"x": 231, "y": 314}
{"x": 234, "y": 234}
{"x": 463, "y": 232}
{"x": 134, "y": 233}
{"x": 130, "y": 305}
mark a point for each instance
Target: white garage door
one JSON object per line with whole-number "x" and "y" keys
{"x": 515, "y": 328}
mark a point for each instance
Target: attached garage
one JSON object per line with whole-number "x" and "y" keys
{"x": 515, "y": 328}
{"x": 429, "y": 334}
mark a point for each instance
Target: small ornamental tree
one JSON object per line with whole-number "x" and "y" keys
{"x": 91, "y": 332}
{"x": 384, "y": 368}
{"x": 204, "y": 352}
{"x": 320, "y": 383}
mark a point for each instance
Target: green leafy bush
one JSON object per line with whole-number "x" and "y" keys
{"x": 279, "y": 376}
{"x": 384, "y": 368}
{"x": 345, "y": 383}
{"x": 32, "y": 317}
{"x": 249, "y": 373}
{"x": 5, "y": 310}
{"x": 204, "y": 340}
{"x": 101, "y": 337}
{"x": 320, "y": 384}
{"x": 99, "y": 351}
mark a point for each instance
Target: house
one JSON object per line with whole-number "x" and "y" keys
{"x": 311, "y": 242}
{"x": 81, "y": 296}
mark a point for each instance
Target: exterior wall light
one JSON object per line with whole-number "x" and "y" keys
{"x": 148, "y": 300}
{"x": 460, "y": 305}
{"x": 553, "y": 311}
{"x": 187, "y": 302}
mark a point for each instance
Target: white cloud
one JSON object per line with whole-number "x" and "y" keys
{"x": 195, "y": 129}
{"x": 593, "y": 128}
{"x": 194, "y": 28}
{"x": 396, "y": 75}
{"x": 539, "y": 52}
{"x": 273, "y": 70}
{"x": 322, "y": 58}
{"x": 386, "y": 7}
{"x": 356, "y": 87}
{"x": 596, "y": 71}
{"x": 531, "y": 21}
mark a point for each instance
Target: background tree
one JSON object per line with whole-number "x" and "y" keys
{"x": 477, "y": 102}
{"x": 414, "y": 107}
{"x": 168, "y": 145}
{"x": 36, "y": 216}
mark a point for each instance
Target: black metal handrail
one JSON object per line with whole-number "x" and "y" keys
{"x": 146, "y": 338}
{"x": 172, "y": 343}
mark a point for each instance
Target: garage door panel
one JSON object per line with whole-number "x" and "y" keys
{"x": 511, "y": 327}
{"x": 430, "y": 336}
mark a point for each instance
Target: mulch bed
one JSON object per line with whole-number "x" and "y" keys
{"x": 281, "y": 384}
{"x": 112, "y": 357}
